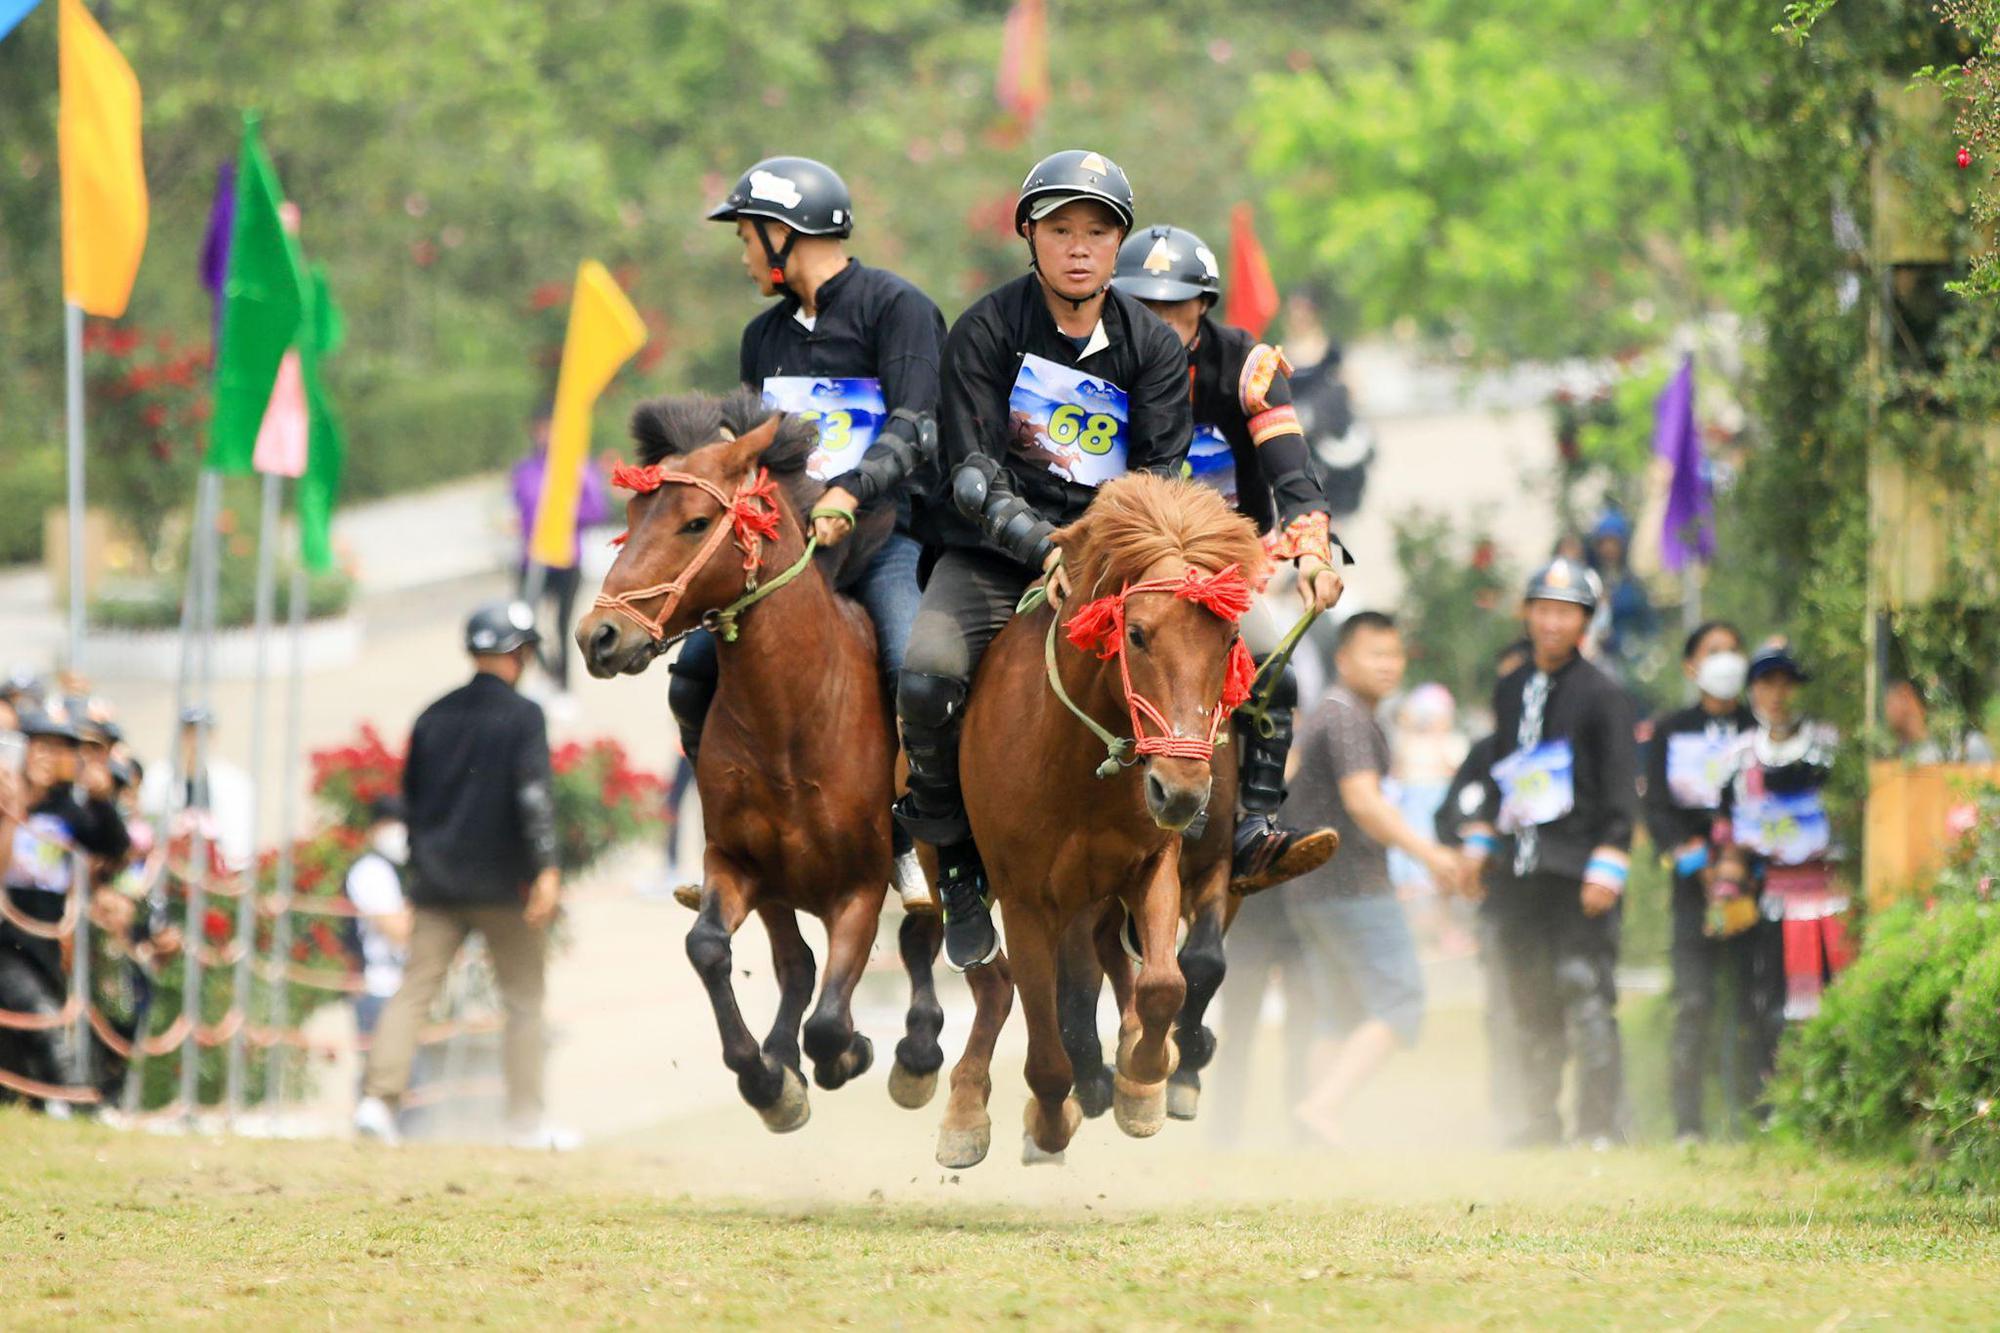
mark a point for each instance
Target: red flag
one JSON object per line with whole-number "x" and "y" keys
{"x": 1023, "y": 83}
{"x": 1253, "y": 297}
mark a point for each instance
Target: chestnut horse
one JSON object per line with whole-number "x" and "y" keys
{"x": 798, "y": 753}
{"x": 1160, "y": 571}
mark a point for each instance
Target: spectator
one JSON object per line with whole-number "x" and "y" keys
{"x": 1690, "y": 759}
{"x": 212, "y": 795}
{"x": 1425, "y": 749}
{"x": 1358, "y": 948}
{"x": 1262, "y": 948}
{"x": 1342, "y": 447}
{"x": 476, "y": 785}
{"x": 559, "y": 585}
{"x": 1907, "y": 712}
{"x": 374, "y": 888}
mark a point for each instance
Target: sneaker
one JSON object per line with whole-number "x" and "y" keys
{"x": 1268, "y": 853}
{"x": 546, "y": 1138}
{"x": 374, "y": 1120}
{"x": 914, "y": 887}
{"x": 969, "y": 937}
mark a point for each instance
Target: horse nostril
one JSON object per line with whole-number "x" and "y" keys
{"x": 603, "y": 639}
{"x": 1156, "y": 791}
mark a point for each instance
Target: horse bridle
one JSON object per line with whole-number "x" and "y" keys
{"x": 1099, "y": 626}
{"x": 751, "y": 516}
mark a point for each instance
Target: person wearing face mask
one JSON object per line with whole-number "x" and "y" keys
{"x": 1552, "y": 840}
{"x": 1053, "y": 384}
{"x": 1691, "y": 758}
{"x": 374, "y": 887}
{"x": 1248, "y": 445}
{"x": 1775, "y": 840}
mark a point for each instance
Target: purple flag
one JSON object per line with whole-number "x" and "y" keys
{"x": 215, "y": 245}
{"x": 1688, "y": 530}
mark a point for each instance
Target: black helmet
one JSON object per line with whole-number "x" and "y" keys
{"x": 1566, "y": 580}
{"x": 500, "y": 627}
{"x": 1167, "y": 264}
{"x": 1074, "y": 173}
{"x": 50, "y": 720}
{"x": 807, "y": 196}
{"x": 1776, "y": 659}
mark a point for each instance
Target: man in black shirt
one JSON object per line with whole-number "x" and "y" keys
{"x": 856, "y": 348}
{"x": 1053, "y": 384}
{"x": 481, "y": 815}
{"x": 1554, "y": 838}
{"x": 1689, "y": 762}
{"x": 1247, "y": 444}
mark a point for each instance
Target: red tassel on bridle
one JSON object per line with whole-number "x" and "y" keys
{"x": 753, "y": 520}
{"x": 1098, "y": 626}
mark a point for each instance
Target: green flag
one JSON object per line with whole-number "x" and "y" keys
{"x": 326, "y": 451}
{"x": 264, "y": 300}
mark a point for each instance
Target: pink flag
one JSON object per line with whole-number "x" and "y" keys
{"x": 281, "y": 439}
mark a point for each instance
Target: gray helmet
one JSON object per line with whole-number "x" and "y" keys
{"x": 1566, "y": 580}
{"x": 51, "y": 721}
{"x": 1074, "y": 173}
{"x": 807, "y": 196}
{"x": 500, "y": 627}
{"x": 1167, "y": 264}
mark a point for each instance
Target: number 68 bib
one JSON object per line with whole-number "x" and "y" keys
{"x": 1068, "y": 422}
{"x": 849, "y": 412}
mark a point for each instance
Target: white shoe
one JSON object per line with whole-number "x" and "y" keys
{"x": 374, "y": 1120}
{"x": 547, "y": 1138}
{"x": 914, "y": 887}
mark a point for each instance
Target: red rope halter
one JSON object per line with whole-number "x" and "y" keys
{"x": 1099, "y": 627}
{"x": 753, "y": 520}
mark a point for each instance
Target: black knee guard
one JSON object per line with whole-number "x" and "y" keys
{"x": 689, "y": 693}
{"x": 931, "y": 709}
{"x": 1261, "y": 761}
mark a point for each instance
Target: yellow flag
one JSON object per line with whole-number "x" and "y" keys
{"x": 604, "y": 330}
{"x": 104, "y": 205}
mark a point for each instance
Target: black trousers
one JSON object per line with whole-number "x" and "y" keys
{"x": 1754, "y": 963}
{"x": 1560, "y": 969}
{"x": 48, "y": 1055}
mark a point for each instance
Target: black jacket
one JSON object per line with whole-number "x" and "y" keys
{"x": 1670, "y": 822}
{"x": 982, "y": 358}
{"x": 1586, "y": 708}
{"x": 477, "y": 788}
{"x": 871, "y": 325}
{"x": 1274, "y": 480}
{"x": 1452, "y": 816}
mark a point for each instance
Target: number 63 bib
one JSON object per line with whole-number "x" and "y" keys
{"x": 849, "y": 412}
{"x": 1068, "y": 422}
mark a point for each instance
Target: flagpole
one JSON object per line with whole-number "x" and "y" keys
{"x": 197, "y": 897}
{"x": 73, "y": 330}
{"x": 278, "y": 1014}
{"x": 246, "y": 906}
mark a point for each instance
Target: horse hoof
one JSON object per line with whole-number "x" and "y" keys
{"x": 911, "y": 1091}
{"x": 1182, "y": 1100}
{"x": 860, "y": 1057}
{"x": 958, "y": 1149}
{"x": 688, "y": 896}
{"x": 792, "y": 1109}
{"x": 1094, "y": 1094}
{"x": 1032, "y": 1154}
{"x": 1140, "y": 1109}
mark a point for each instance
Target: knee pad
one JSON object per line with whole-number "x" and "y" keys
{"x": 1576, "y": 980}
{"x": 688, "y": 696}
{"x": 932, "y": 702}
{"x": 1285, "y": 693}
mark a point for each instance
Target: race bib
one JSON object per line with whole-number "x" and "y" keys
{"x": 1537, "y": 786}
{"x": 1210, "y": 462}
{"x": 40, "y": 861}
{"x": 1068, "y": 422}
{"x": 1699, "y": 765}
{"x": 1791, "y": 830}
{"x": 850, "y": 414}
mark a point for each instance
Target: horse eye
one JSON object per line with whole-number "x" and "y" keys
{"x": 1136, "y": 635}
{"x": 694, "y": 526}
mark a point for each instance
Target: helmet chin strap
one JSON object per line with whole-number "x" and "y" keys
{"x": 778, "y": 256}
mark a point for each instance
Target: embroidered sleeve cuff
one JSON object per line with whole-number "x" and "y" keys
{"x": 1274, "y": 421}
{"x": 1309, "y": 536}
{"x": 1261, "y": 367}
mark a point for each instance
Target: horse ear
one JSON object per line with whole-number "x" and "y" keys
{"x": 743, "y": 452}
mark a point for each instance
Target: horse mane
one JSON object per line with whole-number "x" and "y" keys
{"x": 676, "y": 426}
{"x": 1140, "y": 519}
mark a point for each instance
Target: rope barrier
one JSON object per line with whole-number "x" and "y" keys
{"x": 48, "y": 1092}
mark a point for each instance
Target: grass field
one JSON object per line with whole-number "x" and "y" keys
{"x": 101, "y": 1228}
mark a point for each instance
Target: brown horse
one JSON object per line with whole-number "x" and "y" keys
{"x": 797, "y": 757}
{"x": 1162, "y": 570}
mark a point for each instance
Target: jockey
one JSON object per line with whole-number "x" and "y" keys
{"x": 857, "y": 348}
{"x": 1053, "y": 384}
{"x": 1247, "y": 444}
